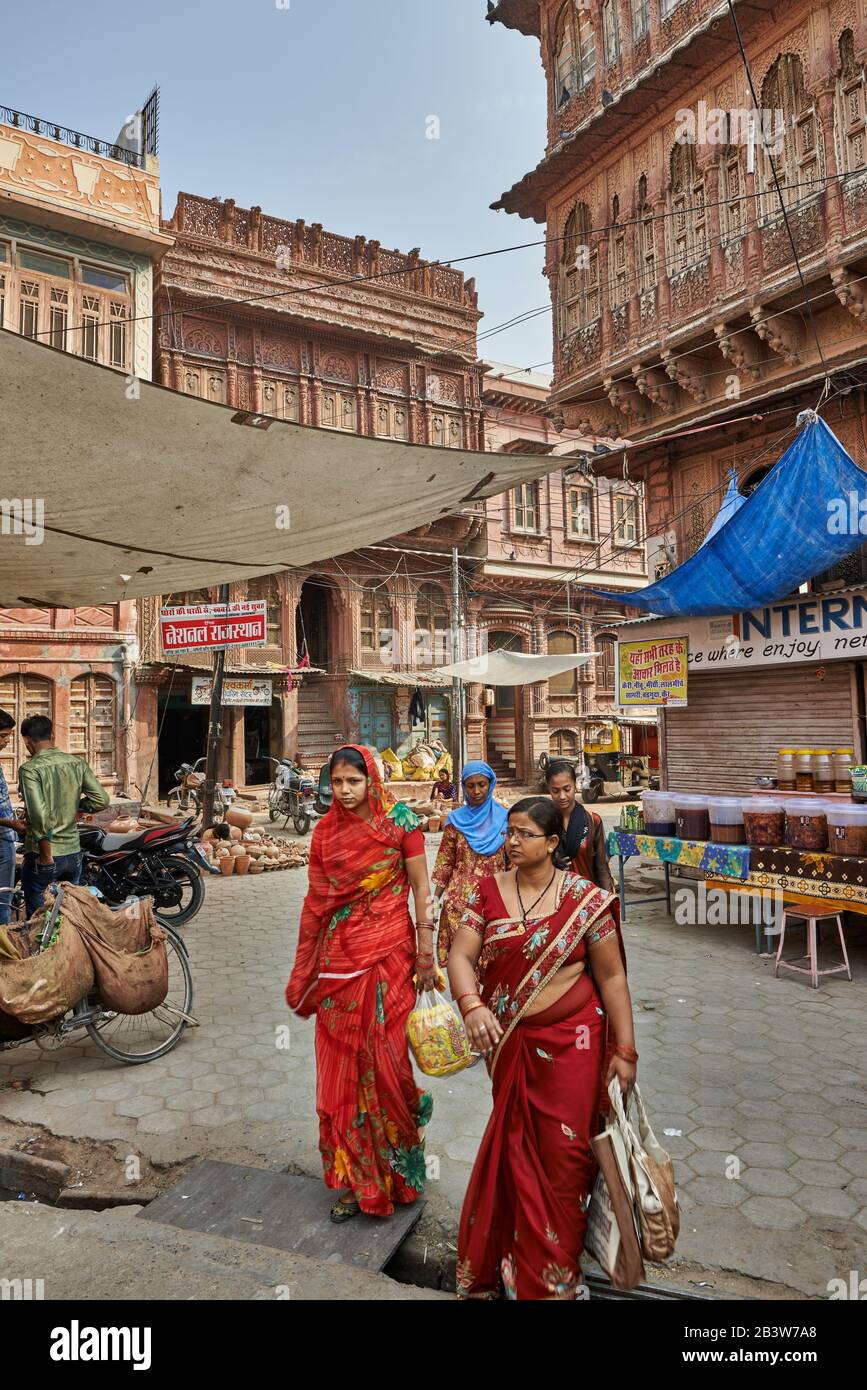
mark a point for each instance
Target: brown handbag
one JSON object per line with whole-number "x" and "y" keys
{"x": 657, "y": 1211}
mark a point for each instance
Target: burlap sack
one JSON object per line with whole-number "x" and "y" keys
{"x": 128, "y": 953}
{"x": 45, "y": 986}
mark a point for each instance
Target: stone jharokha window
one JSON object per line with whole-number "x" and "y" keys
{"x": 267, "y": 587}
{"x": 22, "y": 696}
{"x": 687, "y": 220}
{"x": 377, "y": 635}
{"x": 793, "y": 140}
{"x": 646, "y": 238}
{"x": 574, "y": 52}
{"x": 92, "y": 720}
{"x": 610, "y": 32}
{"x": 579, "y": 273}
{"x": 580, "y": 513}
{"x": 851, "y": 109}
{"x": 525, "y": 507}
{"x": 70, "y": 304}
{"x": 432, "y": 627}
{"x": 563, "y": 644}
{"x": 640, "y": 18}
{"x": 732, "y": 194}
{"x": 618, "y": 267}
{"x": 626, "y": 519}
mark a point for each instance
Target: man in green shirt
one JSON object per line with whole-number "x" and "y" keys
{"x": 55, "y": 787}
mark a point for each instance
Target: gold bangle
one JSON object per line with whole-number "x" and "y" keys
{"x": 473, "y": 1008}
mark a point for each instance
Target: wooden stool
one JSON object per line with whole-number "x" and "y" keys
{"x": 812, "y": 917}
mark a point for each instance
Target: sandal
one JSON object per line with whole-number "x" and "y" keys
{"x": 344, "y": 1211}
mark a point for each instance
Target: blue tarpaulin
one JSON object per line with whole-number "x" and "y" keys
{"x": 803, "y": 518}
{"x": 732, "y": 503}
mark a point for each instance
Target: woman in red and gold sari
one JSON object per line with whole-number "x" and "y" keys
{"x": 356, "y": 958}
{"x": 546, "y": 947}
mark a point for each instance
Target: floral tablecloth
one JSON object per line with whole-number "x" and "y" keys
{"x": 725, "y": 861}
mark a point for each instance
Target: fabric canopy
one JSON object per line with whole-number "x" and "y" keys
{"x": 147, "y": 491}
{"x": 802, "y": 519}
{"x": 514, "y": 668}
{"x": 732, "y": 503}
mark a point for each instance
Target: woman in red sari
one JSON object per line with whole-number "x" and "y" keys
{"x": 546, "y": 946}
{"x": 354, "y": 966}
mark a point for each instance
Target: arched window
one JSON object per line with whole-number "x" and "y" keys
{"x": 646, "y": 238}
{"x": 618, "y": 268}
{"x": 431, "y": 625}
{"x": 732, "y": 194}
{"x": 851, "y": 109}
{"x": 563, "y": 743}
{"x": 563, "y": 644}
{"x": 377, "y": 627}
{"x": 574, "y": 52}
{"x": 687, "y": 222}
{"x": 21, "y": 696}
{"x": 579, "y": 273}
{"x": 92, "y": 721}
{"x": 267, "y": 587}
{"x": 791, "y": 141}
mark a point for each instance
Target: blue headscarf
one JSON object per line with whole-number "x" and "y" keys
{"x": 484, "y": 827}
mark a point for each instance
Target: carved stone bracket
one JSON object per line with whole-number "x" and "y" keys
{"x": 688, "y": 372}
{"x": 627, "y": 400}
{"x": 740, "y": 348}
{"x": 850, "y": 291}
{"x": 654, "y": 384}
{"x": 779, "y": 331}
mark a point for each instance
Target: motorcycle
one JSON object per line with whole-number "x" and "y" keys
{"x": 292, "y": 794}
{"x": 191, "y": 792}
{"x": 161, "y": 862}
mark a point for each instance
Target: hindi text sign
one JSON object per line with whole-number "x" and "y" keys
{"x": 653, "y": 672}
{"x": 209, "y": 626}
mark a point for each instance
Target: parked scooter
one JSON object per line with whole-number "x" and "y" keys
{"x": 162, "y": 863}
{"x": 292, "y": 794}
{"x": 190, "y": 794}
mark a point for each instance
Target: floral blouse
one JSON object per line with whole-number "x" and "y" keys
{"x": 458, "y": 870}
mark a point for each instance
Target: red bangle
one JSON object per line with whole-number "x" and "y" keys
{"x": 627, "y": 1053}
{"x": 466, "y": 995}
{"x": 472, "y": 1008}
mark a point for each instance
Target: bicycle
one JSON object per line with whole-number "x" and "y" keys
{"x": 128, "y": 1038}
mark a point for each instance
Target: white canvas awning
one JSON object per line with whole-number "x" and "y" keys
{"x": 515, "y": 668}
{"x": 164, "y": 493}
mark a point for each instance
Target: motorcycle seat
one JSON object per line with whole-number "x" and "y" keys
{"x": 111, "y": 843}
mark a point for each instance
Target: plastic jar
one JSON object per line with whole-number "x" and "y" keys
{"x": 764, "y": 822}
{"x": 659, "y": 818}
{"x": 806, "y": 825}
{"x": 804, "y": 770}
{"x": 691, "y": 817}
{"x": 843, "y": 760}
{"x": 823, "y": 770}
{"x": 726, "y": 820}
{"x": 847, "y": 829}
{"x": 786, "y": 770}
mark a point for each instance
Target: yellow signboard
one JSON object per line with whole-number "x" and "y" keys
{"x": 653, "y": 672}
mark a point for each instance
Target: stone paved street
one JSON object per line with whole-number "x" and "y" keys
{"x": 745, "y": 1067}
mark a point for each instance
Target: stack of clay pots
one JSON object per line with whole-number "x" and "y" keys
{"x": 253, "y": 852}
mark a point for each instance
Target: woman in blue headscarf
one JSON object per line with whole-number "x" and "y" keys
{"x": 471, "y": 849}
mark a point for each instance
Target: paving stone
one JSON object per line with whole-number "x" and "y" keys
{"x": 855, "y": 1162}
{"x": 189, "y": 1103}
{"x": 850, "y": 1138}
{"x": 769, "y": 1182}
{"x": 215, "y": 1116}
{"x": 759, "y": 1155}
{"x": 137, "y": 1106}
{"x": 821, "y": 1201}
{"x": 813, "y": 1146}
{"x": 725, "y": 1140}
{"x": 773, "y": 1213}
{"x": 163, "y": 1123}
{"x": 819, "y": 1174}
{"x": 716, "y": 1192}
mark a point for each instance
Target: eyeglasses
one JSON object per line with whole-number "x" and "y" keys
{"x": 525, "y": 835}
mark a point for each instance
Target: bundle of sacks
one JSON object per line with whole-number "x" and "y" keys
{"x": 422, "y": 763}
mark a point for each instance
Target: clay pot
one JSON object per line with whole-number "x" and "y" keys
{"x": 235, "y": 833}
{"x": 239, "y": 818}
{"x": 242, "y": 864}
{"x": 227, "y": 865}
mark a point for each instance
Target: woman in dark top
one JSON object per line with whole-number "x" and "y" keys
{"x": 583, "y": 841}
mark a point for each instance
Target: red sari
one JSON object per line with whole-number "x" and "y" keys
{"x": 354, "y": 969}
{"x": 524, "y": 1214}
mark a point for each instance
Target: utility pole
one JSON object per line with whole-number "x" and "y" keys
{"x": 457, "y": 684}
{"x": 215, "y": 727}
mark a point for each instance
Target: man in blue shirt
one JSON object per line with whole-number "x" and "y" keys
{"x": 8, "y": 826}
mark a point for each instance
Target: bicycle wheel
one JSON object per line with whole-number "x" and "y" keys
{"x": 135, "y": 1038}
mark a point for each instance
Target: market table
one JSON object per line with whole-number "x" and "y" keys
{"x": 724, "y": 861}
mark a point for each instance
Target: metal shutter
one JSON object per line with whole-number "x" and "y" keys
{"x": 730, "y": 732}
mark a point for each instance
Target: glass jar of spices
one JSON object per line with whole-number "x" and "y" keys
{"x": 786, "y": 770}
{"x": 804, "y": 770}
{"x": 823, "y": 770}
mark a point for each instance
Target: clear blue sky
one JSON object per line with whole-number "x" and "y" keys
{"x": 318, "y": 111}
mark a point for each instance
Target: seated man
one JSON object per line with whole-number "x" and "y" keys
{"x": 55, "y": 786}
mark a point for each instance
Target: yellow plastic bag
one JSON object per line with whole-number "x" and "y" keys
{"x": 437, "y": 1036}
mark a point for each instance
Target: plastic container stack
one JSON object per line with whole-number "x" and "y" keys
{"x": 726, "y": 820}
{"x": 659, "y": 817}
{"x": 806, "y": 825}
{"x": 691, "y": 816}
{"x": 847, "y": 829}
{"x": 764, "y": 822}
